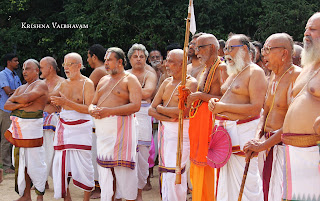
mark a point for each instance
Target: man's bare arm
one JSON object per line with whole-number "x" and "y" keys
{"x": 37, "y": 91}
{"x": 149, "y": 87}
{"x": 157, "y": 101}
{"x": 8, "y": 90}
{"x": 257, "y": 145}
{"x": 96, "y": 75}
{"x": 203, "y": 96}
{"x": 9, "y": 105}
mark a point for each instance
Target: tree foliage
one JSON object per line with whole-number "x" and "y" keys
{"x": 154, "y": 23}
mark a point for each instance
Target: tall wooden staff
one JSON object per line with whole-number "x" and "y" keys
{"x": 181, "y": 99}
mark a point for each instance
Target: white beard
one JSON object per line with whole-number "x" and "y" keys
{"x": 239, "y": 64}
{"x": 310, "y": 55}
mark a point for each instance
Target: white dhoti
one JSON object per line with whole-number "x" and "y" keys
{"x": 72, "y": 145}
{"x": 49, "y": 127}
{"x": 26, "y": 134}
{"x": 116, "y": 148}
{"x": 230, "y": 175}
{"x": 301, "y": 173}
{"x": 167, "y": 160}
{"x": 275, "y": 184}
{"x": 144, "y": 134}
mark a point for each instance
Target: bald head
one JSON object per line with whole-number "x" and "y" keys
{"x": 282, "y": 40}
{"x": 76, "y": 57}
{"x": 315, "y": 16}
{"x": 177, "y": 54}
{"x": 51, "y": 61}
{"x": 209, "y": 39}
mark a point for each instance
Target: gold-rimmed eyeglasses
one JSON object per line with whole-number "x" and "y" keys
{"x": 68, "y": 64}
{"x": 266, "y": 50}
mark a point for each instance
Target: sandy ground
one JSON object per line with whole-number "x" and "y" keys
{"x": 7, "y": 192}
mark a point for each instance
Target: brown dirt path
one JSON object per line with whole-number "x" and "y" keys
{"x": 7, "y": 192}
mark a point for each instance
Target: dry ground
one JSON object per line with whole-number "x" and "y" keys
{"x": 7, "y": 192}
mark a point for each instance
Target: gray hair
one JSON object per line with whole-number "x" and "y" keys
{"x": 33, "y": 61}
{"x": 119, "y": 54}
{"x": 137, "y": 46}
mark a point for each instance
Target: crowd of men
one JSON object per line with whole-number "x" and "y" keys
{"x": 99, "y": 130}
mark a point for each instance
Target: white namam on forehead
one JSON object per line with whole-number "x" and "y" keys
{"x": 34, "y": 63}
{"x": 108, "y": 54}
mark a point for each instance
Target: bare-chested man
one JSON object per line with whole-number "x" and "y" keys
{"x": 209, "y": 83}
{"x": 277, "y": 52}
{"x": 48, "y": 68}
{"x": 96, "y": 61}
{"x": 25, "y": 133}
{"x": 117, "y": 98}
{"x": 165, "y": 108}
{"x": 137, "y": 55}
{"x": 195, "y": 67}
{"x": 73, "y": 137}
{"x": 301, "y": 165}
{"x": 238, "y": 112}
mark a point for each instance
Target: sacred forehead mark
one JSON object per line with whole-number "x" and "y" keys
{"x": 108, "y": 55}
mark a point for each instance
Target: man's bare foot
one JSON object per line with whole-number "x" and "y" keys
{"x": 1, "y": 175}
{"x": 68, "y": 196}
{"x": 40, "y": 198}
{"x": 147, "y": 187}
{"x": 139, "y": 196}
{"x": 23, "y": 198}
{"x": 96, "y": 193}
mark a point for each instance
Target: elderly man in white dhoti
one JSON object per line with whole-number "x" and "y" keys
{"x": 238, "y": 112}
{"x": 165, "y": 108}
{"x": 48, "y": 68}
{"x": 117, "y": 98}
{"x": 137, "y": 55}
{"x": 25, "y": 133}
{"x": 301, "y": 126}
{"x": 277, "y": 52}
{"x": 73, "y": 137}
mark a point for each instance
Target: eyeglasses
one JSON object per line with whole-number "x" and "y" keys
{"x": 200, "y": 46}
{"x": 192, "y": 44}
{"x": 230, "y": 48}
{"x": 67, "y": 64}
{"x": 266, "y": 50}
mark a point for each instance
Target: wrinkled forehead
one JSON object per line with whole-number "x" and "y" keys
{"x": 68, "y": 59}
{"x": 155, "y": 53}
{"x": 200, "y": 40}
{"x": 138, "y": 53}
{"x": 271, "y": 41}
{"x": 233, "y": 41}
{"x": 29, "y": 64}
